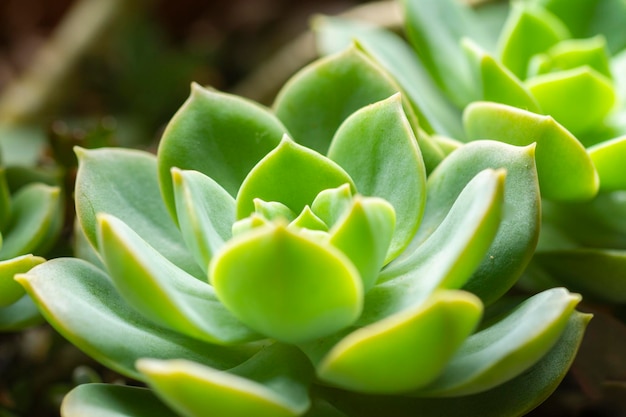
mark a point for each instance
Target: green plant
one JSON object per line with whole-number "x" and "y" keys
{"x": 543, "y": 71}
{"x": 31, "y": 218}
{"x": 239, "y": 272}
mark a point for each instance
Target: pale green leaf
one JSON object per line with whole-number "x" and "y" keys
{"x": 161, "y": 291}
{"x": 377, "y": 148}
{"x": 221, "y": 135}
{"x": 10, "y": 290}
{"x": 292, "y": 175}
{"x": 80, "y": 302}
{"x": 287, "y": 286}
{"x": 123, "y": 183}
{"x": 569, "y": 177}
{"x": 608, "y": 158}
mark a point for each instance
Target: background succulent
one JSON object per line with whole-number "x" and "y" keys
{"x": 301, "y": 262}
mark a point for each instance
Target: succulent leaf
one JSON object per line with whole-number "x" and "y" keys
{"x": 331, "y": 204}
{"x": 508, "y": 348}
{"x": 273, "y": 383}
{"x": 5, "y": 200}
{"x": 205, "y": 213}
{"x": 10, "y": 290}
{"x": 287, "y": 286}
{"x": 112, "y": 400}
{"x": 79, "y": 300}
{"x": 161, "y": 291}
{"x": 340, "y": 84}
{"x": 221, "y": 135}
{"x": 608, "y": 158}
{"x": 377, "y": 148}
{"x": 292, "y": 175}
{"x": 571, "y": 176}
{"x": 518, "y": 232}
{"x": 36, "y": 220}
{"x": 104, "y": 185}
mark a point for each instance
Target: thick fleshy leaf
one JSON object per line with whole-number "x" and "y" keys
{"x": 79, "y": 300}
{"x": 221, "y": 135}
{"x": 273, "y": 383}
{"x": 495, "y": 82}
{"x": 377, "y": 148}
{"x": 517, "y": 234}
{"x": 292, "y": 175}
{"x": 404, "y": 351}
{"x": 10, "y": 290}
{"x": 449, "y": 256}
{"x": 364, "y": 235}
{"x": 331, "y": 204}
{"x": 112, "y": 400}
{"x": 560, "y": 93}
{"x": 206, "y": 213}
{"x": 434, "y": 110}
{"x": 596, "y": 273}
{"x": 587, "y": 18}
{"x": 21, "y": 314}
{"x": 321, "y": 96}
{"x": 435, "y": 29}
{"x": 573, "y": 53}
{"x": 529, "y": 30}
{"x": 287, "y": 286}
{"x": 516, "y": 397}
{"x": 608, "y": 158}
{"x": 161, "y": 291}
{"x": 36, "y": 220}
{"x": 569, "y": 177}
{"x": 308, "y": 219}
{"x": 123, "y": 183}
{"x": 507, "y": 348}
{"x": 273, "y": 210}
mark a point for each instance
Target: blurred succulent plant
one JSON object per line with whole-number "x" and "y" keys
{"x": 31, "y": 218}
{"x": 551, "y": 72}
{"x": 240, "y": 272}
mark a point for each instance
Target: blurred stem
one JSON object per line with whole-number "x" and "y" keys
{"x": 35, "y": 93}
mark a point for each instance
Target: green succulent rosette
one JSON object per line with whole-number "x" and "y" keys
{"x": 299, "y": 261}
{"x": 31, "y": 218}
{"x": 550, "y": 72}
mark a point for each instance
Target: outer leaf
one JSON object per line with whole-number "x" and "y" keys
{"x": 364, "y": 235}
{"x": 517, "y": 234}
{"x": 35, "y": 221}
{"x": 272, "y": 384}
{"x": 81, "y": 303}
{"x": 292, "y": 175}
{"x": 449, "y": 256}
{"x": 111, "y": 400}
{"x": 162, "y": 292}
{"x": 608, "y": 158}
{"x": 377, "y": 148}
{"x": 516, "y": 397}
{"x": 11, "y": 291}
{"x": 103, "y": 186}
{"x": 571, "y": 176}
{"x": 404, "y": 351}
{"x": 495, "y": 82}
{"x": 528, "y": 31}
{"x": 287, "y": 286}
{"x": 221, "y": 135}
{"x": 206, "y": 213}
{"x": 435, "y": 111}
{"x": 509, "y": 347}
{"x": 558, "y": 93}
{"x": 597, "y": 273}
{"x": 320, "y": 97}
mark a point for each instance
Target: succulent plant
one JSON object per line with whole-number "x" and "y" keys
{"x": 300, "y": 261}
{"x": 549, "y": 72}
{"x": 31, "y": 218}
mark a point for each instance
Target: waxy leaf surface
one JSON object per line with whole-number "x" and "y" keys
{"x": 106, "y": 328}
{"x": 221, "y": 135}
{"x": 10, "y": 290}
{"x": 608, "y": 158}
{"x": 377, "y": 148}
{"x": 161, "y": 291}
